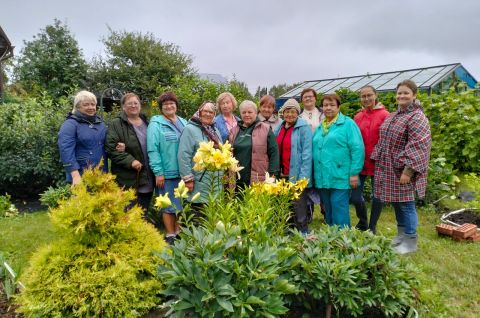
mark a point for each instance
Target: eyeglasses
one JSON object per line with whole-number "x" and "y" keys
{"x": 367, "y": 96}
{"x": 308, "y": 96}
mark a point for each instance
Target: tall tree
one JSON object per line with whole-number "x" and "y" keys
{"x": 52, "y": 62}
{"x": 280, "y": 89}
{"x": 139, "y": 63}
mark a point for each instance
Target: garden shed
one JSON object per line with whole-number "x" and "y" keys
{"x": 430, "y": 79}
{"x": 6, "y": 51}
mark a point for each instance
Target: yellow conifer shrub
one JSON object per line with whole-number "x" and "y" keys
{"x": 105, "y": 264}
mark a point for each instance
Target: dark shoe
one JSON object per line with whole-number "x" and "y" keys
{"x": 170, "y": 239}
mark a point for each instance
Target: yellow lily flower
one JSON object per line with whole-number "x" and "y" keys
{"x": 163, "y": 201}
{"x": 181, "y": 192}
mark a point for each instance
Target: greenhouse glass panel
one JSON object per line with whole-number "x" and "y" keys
{"x": 317, "y": 87}
{"x": 403, "y": 76}
{"x": 439, "y": 76}
{"x": 349, "y": 82}
{"x": 328, "y": 88}
{"x": 364, "y": 81}
{"x": 383, "y": 79}
{"x": 427, "y": 74}
{"x": 297, "y": 90}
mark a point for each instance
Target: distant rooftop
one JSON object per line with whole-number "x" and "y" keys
{"x": 215, "y": 78}
{"x": 426, "y": 78}
{"x": 6, "y": 48}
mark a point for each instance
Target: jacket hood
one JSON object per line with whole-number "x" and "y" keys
{"x": 83, "y": 119}
{"x": 378, "y": 106}
{"x": 301, "y": 122}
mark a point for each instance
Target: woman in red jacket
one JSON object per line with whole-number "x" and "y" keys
{"x": 369, "y": 121}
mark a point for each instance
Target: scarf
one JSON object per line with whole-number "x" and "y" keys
{"x": 208, "y": 130}
{"x": 326, "y": 126}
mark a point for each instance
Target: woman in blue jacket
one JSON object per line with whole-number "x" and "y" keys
{"x": 226, "y": 120}
{"x": 81, "y": 138}
{"x": 294, "y": 138}
{"x": 163, "y": 135}
{"x": 338, "y": 155}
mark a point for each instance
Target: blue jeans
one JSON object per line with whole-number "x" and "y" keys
{"x": 336, "y": 206}
{"x": 406, "y": 214}
{"x": 357, "y": 199}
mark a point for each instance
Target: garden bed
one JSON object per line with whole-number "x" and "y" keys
{"x": 462, "y": 216}
{"x": 7, "y": 310}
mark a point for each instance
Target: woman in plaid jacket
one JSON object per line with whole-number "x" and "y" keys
{"x": 401, "y": 163}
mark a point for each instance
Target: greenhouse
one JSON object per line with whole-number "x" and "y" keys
{"x": 433, "y": 78}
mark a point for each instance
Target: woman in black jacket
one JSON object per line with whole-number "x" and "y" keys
{"x": 126, "y": 146}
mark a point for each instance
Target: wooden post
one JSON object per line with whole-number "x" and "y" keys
{"x": 1, "y": 82}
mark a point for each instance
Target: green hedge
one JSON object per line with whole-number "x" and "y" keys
{"x": 29, "y": 158}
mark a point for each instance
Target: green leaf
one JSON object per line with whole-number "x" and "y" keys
{"x": 225, "y": 304}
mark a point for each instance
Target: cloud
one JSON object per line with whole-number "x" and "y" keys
{"x": 270, "y": 42}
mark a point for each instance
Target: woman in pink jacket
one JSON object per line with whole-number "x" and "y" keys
{"x": 369, "y": 121}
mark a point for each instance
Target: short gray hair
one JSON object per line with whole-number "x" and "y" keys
{"x": 247, "y": 103}
{"x": 81, "y": 97}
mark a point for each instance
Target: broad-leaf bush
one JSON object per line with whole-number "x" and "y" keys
{"x": 222, "y": 273}
{"x": 455, "y": 124}
{"x": 104, "y": 266}
{"x": 29, "y": 160}
{"x": 354, "y": 272}
{"x": 240, "y": 262}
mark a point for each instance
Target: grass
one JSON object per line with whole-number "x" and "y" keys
{"x": 21, "y": 236}
{"x": 448, "y": 270}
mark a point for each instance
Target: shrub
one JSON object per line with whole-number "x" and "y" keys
{"x": 442, "y": 179}
{"x": 455, "y": 125}
{"x": 104, "y": 265}
{"x": 7, "y": 208}
{"x": 221, "y": 273}
{"x": 53, "y": 196}
{"x": 29, "y": 160}
{"x": 355, "y": 271}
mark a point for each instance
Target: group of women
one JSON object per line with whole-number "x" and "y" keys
{"x": 333, "y": 152}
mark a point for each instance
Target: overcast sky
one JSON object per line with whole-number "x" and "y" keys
{"x": 270, "y": 42}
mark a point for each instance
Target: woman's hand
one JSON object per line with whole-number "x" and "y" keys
{"x": 189, "y": 185}
{"x": 120, "y": 147}
{"x": 354, "y": 182}
{"x": 160, "y": 181}
{"x": 404, "y": 178}
{"x": 137, "y": 165}
{"x": 76, "y": 178}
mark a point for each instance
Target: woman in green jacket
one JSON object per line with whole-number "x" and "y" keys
{"x": 163, "y": 136}
{"x": 126, "y": 147}
{"x": 338, "y": 155}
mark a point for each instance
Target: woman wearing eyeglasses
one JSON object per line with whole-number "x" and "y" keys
{"x": 369, "y": 121}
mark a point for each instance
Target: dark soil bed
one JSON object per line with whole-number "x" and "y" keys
{"x": 467, "y": 216}
{"x": 7, "y": 310}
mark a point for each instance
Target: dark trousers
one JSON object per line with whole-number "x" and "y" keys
{"x": 143, "y": 200}
{"x": 357, "y": 199}
{"x": 301, "y": 212}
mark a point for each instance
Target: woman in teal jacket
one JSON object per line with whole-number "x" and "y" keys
{"x": 163, "y": 137}
{"x": 338, "y": 156}
{"x": 294, "y": 138}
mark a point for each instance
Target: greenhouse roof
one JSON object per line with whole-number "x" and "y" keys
{"x": 426, "y": 78}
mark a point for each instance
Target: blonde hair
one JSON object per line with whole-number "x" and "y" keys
{"x": 247, "y": 103}
{"x": 224, "y": 95}
{"x": 81, "y": 97}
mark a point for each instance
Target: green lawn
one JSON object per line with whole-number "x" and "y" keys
{"x": 449, "y": 271}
